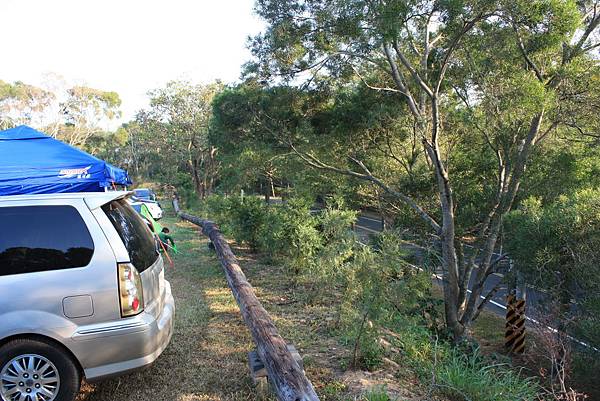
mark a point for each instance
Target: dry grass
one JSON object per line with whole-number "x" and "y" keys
{"x": 206, "y": 359}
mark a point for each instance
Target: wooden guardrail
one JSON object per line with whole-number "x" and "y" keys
{"x": 286, "y": 377}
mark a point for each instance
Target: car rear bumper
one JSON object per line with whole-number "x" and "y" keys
{"x": 114, "y": 350}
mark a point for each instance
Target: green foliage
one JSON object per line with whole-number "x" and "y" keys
{"x": 248, "y": 218}
{"x": 557, "y": 170}
{"x": 339, "y": 242}
{"x": 389, "y": 296}
{"x": 332, "y": 391}
{"x": 244, "y": 218}
{"x": 378, "y": 291}
{"x": 291, "y": 233}
{"x": 169, "y": 140}
{"x": 82, "y": 111}
{"x": 557, "y": 247}
{"x": 457, "y": 372}
{"x": 382, "y": 290}
{"x": 313, "y": 245}
{"x": 20, "y": 103}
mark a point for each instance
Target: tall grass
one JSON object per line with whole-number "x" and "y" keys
{"x": 469, "y": 377}
{"x": 377, "y": 393}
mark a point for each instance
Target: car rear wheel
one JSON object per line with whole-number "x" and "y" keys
{"x": 32, "y": 370}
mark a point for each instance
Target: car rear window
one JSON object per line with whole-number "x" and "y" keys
{"x": 41, "y": 238}
{"x": 136, "y": 237}
{"x": 142, "y": 193}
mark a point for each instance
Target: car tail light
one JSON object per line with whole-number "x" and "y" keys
{"x": 130, "y": 290}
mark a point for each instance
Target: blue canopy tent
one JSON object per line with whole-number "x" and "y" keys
{"x": 34, "y": 163}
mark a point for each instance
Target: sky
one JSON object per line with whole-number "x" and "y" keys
{"x": 127, "y": 46}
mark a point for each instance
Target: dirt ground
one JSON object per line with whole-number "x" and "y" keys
{"x": 207, "y": 357}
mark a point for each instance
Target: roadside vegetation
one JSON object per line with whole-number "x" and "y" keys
{"x": 384, "y": 310}
{"x": 470, "y": 126}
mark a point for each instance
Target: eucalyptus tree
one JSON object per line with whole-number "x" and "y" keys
{"x": 503, "y": 75}
{"x": 71, "y": 114}
{"x": 86, "y": 112}
{"x": 173, "y": 133}
{"x": 248, "y": 123}
{"x": 21, "y": 103}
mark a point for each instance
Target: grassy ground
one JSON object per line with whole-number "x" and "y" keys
{"x": 207, "y": 357}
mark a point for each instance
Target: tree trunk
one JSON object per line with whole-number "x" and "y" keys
{"x": 447, "y": 235}
{"x": 196, "y": 177}
{"x": 489, "y": 239}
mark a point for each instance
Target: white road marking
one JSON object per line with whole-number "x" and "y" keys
{"x": 370, "y": 218}
{"x": 549, "y": 328}
{"x": 491, "y": 301}
{"x": 367, "y": 229}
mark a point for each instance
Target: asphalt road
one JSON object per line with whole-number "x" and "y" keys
{"x": 370, "y": 224}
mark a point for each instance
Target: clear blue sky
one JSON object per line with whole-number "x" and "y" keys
{"x": 129, "y": 46}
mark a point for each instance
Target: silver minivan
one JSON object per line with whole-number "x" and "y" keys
{"x": 82, "y": 293}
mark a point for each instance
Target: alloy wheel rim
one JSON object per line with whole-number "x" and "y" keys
{"x": 29, "y": 377}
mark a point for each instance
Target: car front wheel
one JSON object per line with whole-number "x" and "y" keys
{"x": 32, "y": 370}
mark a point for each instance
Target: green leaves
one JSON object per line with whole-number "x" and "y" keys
{"x": 401, "y": 93}
{"x": 544, "y": 24}
{"x": 557, "y": 247}
{"x": 21, "y": 103}
{"x": 86, "y": 106}
{"x": 170, "y": 139}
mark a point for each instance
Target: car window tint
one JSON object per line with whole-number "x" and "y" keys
{"x": 136, "y": 237}
{"x": 142, "y": 193}
{"x": 40, "y": 238}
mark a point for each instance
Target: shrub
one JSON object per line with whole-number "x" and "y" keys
{"x": 338, "y": 243}
{"x": 290, "y": 231}
{"x": 216, "y": 207}
{"x": 248, "y": 220}
{"x": 244, "y": 219}
{"x": 287, "y": 231}
{"x": 380, "y": 292}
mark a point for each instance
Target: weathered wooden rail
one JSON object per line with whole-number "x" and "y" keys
{"x": 286, "y": 377}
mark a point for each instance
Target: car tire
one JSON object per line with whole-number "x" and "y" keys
{"x": 23, "y": 350}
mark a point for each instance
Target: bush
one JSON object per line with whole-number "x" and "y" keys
{"x": 244, "y": 219}
{"x": 338, "y": 243}
{"x": 217, "y": 208}
{"x": 287, "y": 231}
{"x": 291, "y": 233}
{"x": 248, "y": 220}
{"x": 380, "y": 291}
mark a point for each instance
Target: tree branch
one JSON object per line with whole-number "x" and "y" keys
{"x": 400, "y": 82}
{"x": 377, "y": 88}
{"x": 368, "y": 176}
{"x": 412, "y": 70}
{"x": 528, "y": 60}
{"x": 486, "y": 299}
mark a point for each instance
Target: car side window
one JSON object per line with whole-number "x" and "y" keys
{"x": 41, "y": 238}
